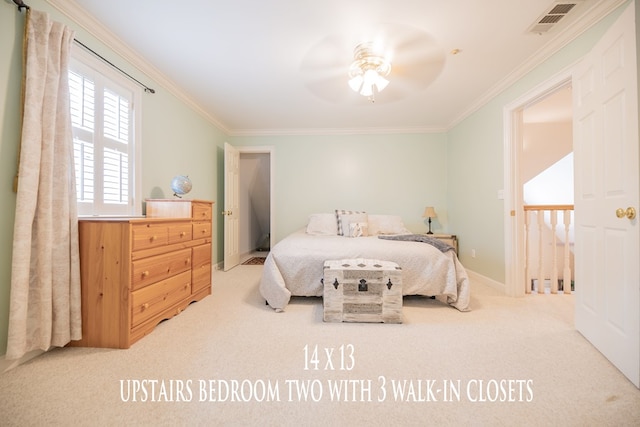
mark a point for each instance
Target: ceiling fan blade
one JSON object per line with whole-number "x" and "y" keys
{"x": 421, "y": 70}
{"x": 325, "y": 67}
{"x": 329, "y": 54}
{"x": 335, "y": 90}
{"x": 416, "y": 61}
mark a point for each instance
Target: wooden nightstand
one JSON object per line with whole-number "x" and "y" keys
{"x": 449, "y": 239}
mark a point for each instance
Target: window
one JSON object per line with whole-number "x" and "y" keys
{"x": 105, "y": 142}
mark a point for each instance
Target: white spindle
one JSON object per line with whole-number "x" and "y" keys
{"x": 566, "y": 274}
{"x": 554, "y": 251}
{"x": 530, "y": 247}
{"x": 540, "y": 252}
{"x": 528, "y": 285}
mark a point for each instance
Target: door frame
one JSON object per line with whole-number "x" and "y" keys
{"x": 514, "y": 257}
{"x": 270, "y": 150}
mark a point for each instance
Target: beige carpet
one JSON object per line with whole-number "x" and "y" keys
{"x": 450, "y": 365}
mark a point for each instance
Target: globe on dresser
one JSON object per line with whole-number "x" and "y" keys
{"x": 181, "y": 185}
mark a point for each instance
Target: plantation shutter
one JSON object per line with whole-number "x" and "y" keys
{"x": 101, "y": 116}
{"x": 115, "y": 155}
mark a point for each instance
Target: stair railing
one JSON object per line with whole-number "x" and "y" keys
{"x": 545, "y": 218}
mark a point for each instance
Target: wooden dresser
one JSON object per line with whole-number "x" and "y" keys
{"x": 136, "y": 272}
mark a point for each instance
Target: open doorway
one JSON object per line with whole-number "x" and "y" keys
{"x": 255, "y": 198}
{"x": 546, "y": 176}
{"x": 521, "y": 165}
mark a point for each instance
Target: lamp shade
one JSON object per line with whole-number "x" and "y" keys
{"x": 429, "y": 212}
{"x": 356, "y": 83}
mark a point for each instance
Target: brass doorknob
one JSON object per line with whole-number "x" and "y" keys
{"x": 629, "y": 213}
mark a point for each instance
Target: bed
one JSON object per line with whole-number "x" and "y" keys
{"x": 294, "y": 266}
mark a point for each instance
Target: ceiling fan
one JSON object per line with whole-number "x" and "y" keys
{"x": 414, "y": 55}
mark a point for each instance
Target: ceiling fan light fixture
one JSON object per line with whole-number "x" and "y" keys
{"x": 367, "y": 90}
{"x": 368, "y": 69}
{"x": 381, "y": 83}
{"x": 355, "y": 83}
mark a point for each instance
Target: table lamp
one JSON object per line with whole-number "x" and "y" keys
{"x": 429, "y": 212}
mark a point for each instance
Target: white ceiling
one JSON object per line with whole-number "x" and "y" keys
{"x": 280, "y": 66}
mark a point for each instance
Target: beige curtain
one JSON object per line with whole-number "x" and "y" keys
{"x": 45, "y": 277}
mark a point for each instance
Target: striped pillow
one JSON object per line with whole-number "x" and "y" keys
{"x": 339, "y": 213}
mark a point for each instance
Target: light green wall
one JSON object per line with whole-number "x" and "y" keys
{"x": 386, "y": 174}
{"x": 476, "y": 164}
{"x": 176, "y": 140}
{"x": 458, "y": 172}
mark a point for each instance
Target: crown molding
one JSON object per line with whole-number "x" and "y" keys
{"x": 598, "y": 12}
{"x": 91, "y": 25}
{"x": 335, "y": 131}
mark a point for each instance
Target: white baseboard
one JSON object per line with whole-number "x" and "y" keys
{"x": 477, "y": 277}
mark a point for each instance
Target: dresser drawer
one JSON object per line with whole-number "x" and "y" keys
{"x": 201, "y": 211}
{"x": 201, "y": 264}
{"x": 201, "y": 229}
{"x": 153, "y": 269}
{"x": 201, "y": 255}
{"x": 201, "y": 277}
{"x": 180, "y": 232}
{"x": 154, "y": 299}
{"x": 147, "y": 236}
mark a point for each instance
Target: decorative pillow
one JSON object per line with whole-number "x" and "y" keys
{"x": 358, "y": 229}
{"x": 322, "y": 224}
{"x": 386, "y": 224}
{"x": 339, "y": 214}
{"x": 355, "y": 225}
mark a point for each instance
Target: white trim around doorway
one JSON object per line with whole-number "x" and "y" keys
{"x": 513, "y": 199}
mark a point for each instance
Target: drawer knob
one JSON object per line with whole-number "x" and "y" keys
{"x": 182, "y": 234}
{"x": 145, "y": 306}
{"x": 153, "y": 238}
{"x": 145, "y": 273}
{"x": 187, "y": 261}
{"x": 204, "y": 231}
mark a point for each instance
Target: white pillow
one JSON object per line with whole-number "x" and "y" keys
{"x": 355, "y": 225}
{"x": 322, "y": 224}
{"x": 386, "y": 224}
{"x": 339, "y": 214}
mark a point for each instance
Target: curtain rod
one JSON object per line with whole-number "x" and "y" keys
{"x": 147, "y": 89}
{"x": 20, "y": 5}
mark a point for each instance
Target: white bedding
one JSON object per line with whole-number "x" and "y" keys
{"x": 294, "y": 267}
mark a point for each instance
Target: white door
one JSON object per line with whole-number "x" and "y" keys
{"x": 606, "y": 163}
{"x": 231, "y": 210}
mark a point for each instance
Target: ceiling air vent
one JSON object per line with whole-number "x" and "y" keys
{"x": 552, "y": 16}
